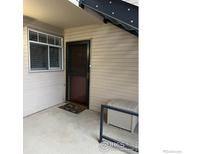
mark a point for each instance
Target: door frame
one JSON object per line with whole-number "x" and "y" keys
{"x": 68, "y": 81}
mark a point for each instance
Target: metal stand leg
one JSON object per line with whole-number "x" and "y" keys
{"x": 101, "y": 123}
{"x": 101, "y": 126}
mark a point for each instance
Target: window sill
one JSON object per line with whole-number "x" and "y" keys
{"x": 41, "y": 71}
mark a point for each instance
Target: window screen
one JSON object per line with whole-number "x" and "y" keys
{"x": 55, "y": 57}
{"x": 57, "y": 41}
{"x": 43, "y": 38}
{"x": 33, "y": 36}
{"x": 39, "y": 56}
{"x": 50, "y": 39}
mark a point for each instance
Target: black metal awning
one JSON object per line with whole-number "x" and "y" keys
{"x": 118, "y": 12}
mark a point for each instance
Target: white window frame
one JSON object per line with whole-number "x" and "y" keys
{"x": 50, "y": 69}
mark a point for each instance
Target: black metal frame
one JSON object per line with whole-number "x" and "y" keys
{"x": 68, "y": 58}
{"x": 101, "y": 126}
{"x": 117, "y": 12}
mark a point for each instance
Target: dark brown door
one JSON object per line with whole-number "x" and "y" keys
{"x": 78, "y": 72}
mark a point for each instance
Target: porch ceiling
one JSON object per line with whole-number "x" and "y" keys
{"x": 59, "y": 13}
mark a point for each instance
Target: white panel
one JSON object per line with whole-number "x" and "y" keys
{"x": 41, "y": 90}
{"x": 133, "y": 2}
{"x": 75, "y": 2}
{"x": 114, "y": 61}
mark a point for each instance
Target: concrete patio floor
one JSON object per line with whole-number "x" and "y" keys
{"x": 56, "y": 131}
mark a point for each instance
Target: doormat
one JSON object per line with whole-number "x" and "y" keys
{"x": 73, "y": 107}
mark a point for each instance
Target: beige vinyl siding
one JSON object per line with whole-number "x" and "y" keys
{"x": 114, "y": 62}
{"x": 41, "y": 89}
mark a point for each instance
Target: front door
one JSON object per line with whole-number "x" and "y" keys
{"x": 77, "y": 89}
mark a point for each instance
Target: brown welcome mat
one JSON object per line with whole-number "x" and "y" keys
{"x": 73, "y": 107}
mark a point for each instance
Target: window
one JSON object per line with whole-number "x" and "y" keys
{"x": 43, "y": 38}
{"x": 46, "y": 51}
{"x": 55, "y": 54}
{"x": 39, "y": 56}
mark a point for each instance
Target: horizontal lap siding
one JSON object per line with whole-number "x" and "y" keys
{"x": 114, "y": 60}
{"x": 41, "y": 90}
